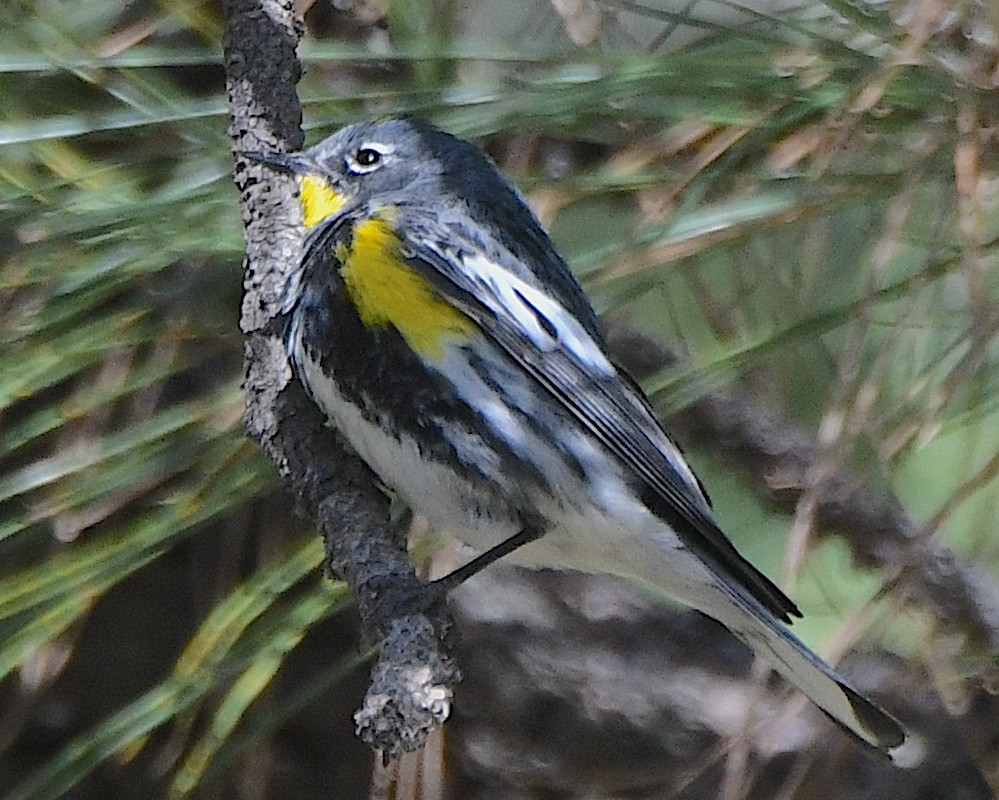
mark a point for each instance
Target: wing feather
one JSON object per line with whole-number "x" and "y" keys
{"x": 544, "y": 338}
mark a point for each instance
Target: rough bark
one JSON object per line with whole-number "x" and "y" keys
{"x": 412, "y": 682}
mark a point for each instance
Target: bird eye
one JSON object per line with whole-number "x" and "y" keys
{"x": 367, "y": 157}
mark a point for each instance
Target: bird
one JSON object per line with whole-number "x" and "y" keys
{"x": 434, "y": 323}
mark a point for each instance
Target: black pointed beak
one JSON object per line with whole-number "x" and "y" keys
{"x": 293, "y": 163}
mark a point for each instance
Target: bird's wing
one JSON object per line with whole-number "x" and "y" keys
{"x": 546, "y": 340}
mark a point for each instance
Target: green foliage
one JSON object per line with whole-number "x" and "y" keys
{"x": 777, "y": 198}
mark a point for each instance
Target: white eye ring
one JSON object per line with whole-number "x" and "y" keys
{"x": 368, "y": 157}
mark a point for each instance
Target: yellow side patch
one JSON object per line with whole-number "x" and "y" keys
{"x": 386, "y": 291}
{"x": 319, "y": 200}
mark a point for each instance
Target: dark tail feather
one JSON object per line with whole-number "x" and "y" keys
{"x": 843, "y": 704}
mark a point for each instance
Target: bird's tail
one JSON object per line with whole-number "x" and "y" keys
{"x": 843, "y": 704}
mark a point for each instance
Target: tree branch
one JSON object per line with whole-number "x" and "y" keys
{"x": 412, "y": 684}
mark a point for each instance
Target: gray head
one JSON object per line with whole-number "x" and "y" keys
{"x": 384, "y": 156}
{"x": 406, "y": 161}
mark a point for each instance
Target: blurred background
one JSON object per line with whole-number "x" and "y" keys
{"x": 787, "y": 213}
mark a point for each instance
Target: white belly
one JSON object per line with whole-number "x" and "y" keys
{"x": 599, "y": 527}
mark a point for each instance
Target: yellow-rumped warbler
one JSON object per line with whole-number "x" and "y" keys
{"x": 434, "y": 323}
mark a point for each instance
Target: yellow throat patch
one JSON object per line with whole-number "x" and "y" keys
{"x": 386, "y": 291}
{"x": 319, "y": 200}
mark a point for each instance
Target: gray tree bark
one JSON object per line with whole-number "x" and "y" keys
{"x": 411, "y": 689}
